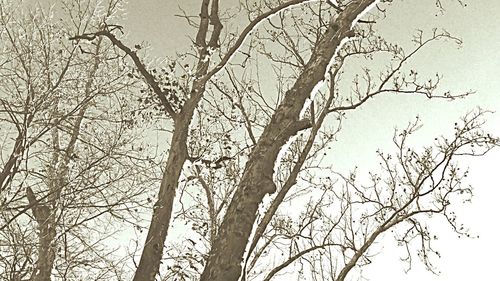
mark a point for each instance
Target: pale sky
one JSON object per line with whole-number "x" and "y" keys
{"x": 474, "y": 66}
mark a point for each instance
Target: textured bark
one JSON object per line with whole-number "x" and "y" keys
{"x": 225, "y": 257}
{"x": 152, "y": 253}
{"x": 153, "y": 249}
{"x": 46, "y": 235}
{"x": 149, "y": 264}
{"x": 289, "y": 183}
{"x": 151, "y": 256}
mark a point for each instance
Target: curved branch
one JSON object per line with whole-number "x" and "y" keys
{"x": 244, "y": 34}
{"x": 137, "y": 61}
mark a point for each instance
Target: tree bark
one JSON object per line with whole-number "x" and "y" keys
{"x": 149, "y": 264}
{"x": 8, "y": 170}
{"x": 47, "y": 232}
{"x": 152, "y": 253}
{"x": 225, "y": 257}
{"x": 289, "y": 183}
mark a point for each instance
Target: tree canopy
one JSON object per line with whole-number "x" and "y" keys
{"x": 214, "y": 163}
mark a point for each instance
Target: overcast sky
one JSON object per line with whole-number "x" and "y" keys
{"x": 474, "y": 66}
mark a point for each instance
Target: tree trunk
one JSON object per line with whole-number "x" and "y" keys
{"x": 8, "y": 170}
{"x": 289, "y": 183}
{"x": 153, "y": 249}
{"x": 46, "y": 235}
{"x": 225, "y": 257}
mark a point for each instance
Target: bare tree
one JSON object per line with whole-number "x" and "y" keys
{"x": 346, "y": 214}
{"x": 241, "y": 145}
{"x": 71, "y": 164}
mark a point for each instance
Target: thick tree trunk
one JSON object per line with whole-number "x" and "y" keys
{"x": 46, "y": 252}
{"x": 149, "y": 265}
{"x": 225, "y": 258}
{"x": 289, "y": 183}
{"x": 153, "y": 249}
{"x": 46, "y": 235}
